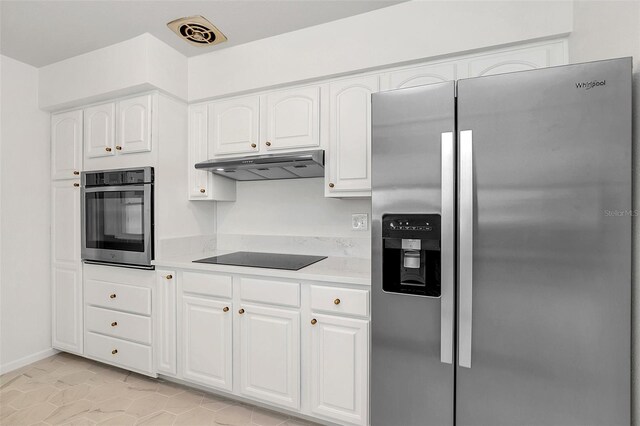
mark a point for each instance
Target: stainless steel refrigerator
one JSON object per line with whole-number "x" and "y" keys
{"x": 501, "y": 249}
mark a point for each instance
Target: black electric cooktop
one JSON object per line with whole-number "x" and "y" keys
{"x": 290, "y": 262}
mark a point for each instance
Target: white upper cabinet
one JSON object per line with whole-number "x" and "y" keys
{"x": 293, "y": 118}
{"x": 270, "y": 354}
{"x": 66, "y": 145}
{"x": 522, "y": 59}
{"x": 349, "y": 159}
{"x": 198, "y": 144}
{"x": 234, "y": 125}
{"x": 419, "y": 76}
{"x": 99, "y": 130}
{"x": 340, "y": 368}
{"x": 134, "y": 124}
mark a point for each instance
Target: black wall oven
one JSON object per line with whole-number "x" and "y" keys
{"x": 117, "y": 217}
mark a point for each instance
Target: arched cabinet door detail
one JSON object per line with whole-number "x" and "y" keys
{"x": 66, "y": 145}
{"x": 419, "y": 76}
{"x": 349, "y": 161}
{"x": 234, "y": 125}
{"x": 134, "y": 125}
{"x": 293, "y": 119}
{"x": 99, "y": 130}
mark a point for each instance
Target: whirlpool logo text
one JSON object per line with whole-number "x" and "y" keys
{"x": 590, "y": 84}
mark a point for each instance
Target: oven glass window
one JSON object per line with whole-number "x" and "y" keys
{"x": 115, "y": 220}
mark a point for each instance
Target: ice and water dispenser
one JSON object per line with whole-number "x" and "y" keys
{"x": 411, "y": 254}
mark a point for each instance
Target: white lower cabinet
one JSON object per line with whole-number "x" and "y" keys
{"x": 207, "y": 349}
{"x": 340, "y": 368}
{"x": 270, "y": 354}
{"x": 67, "y": 308}
{"x": 165, "y": 320}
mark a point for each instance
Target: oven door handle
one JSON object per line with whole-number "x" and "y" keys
{"x": 119, "y": 188}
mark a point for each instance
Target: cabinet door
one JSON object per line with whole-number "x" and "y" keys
{"x": 270, "y": 355}
{"x": 207, "y": 339}
{"x": 340, "y": 368}
{"x": 134, "y": 125}
{"x": 234, "y": 125}
{"x": 65, "y": 222}
{"x": 66, "y": 145}
{"x": 293, "y": 119}
{"x": 521, "y": 59}
{"x": 350, "y": 136}
{"x": 99, "y": 129}
{"x": 165, "y": 320}
{"x": 198, "y": 179}
{"x": 67, "y": 308}
{"x": 418, "y": 76}
{"x": 66, "y": 276}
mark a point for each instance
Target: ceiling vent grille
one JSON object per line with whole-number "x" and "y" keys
{"x": 197, "y": 30}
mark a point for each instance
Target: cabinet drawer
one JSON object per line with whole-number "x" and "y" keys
{"x": 340, "y": 300}
{"x": 118, "y": 324}
{"x": 207, "y": 284}
{"x": 267, "y": 291}
{"x": 121, "y": 297}
{"x": 119, "y": 352}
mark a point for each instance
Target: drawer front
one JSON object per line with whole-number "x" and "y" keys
{"x": 337, "y": 300}
{"x": 121, "y": 297}
{"x": 207, "y": 284}
{"x": 268, "y": 291}
{"x": 118, "y": 324}
{"x": 119, "y": 352}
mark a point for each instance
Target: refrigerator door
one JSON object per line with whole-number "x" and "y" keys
{"x": 412, "y": 370}
{"x": 545, "y": 247}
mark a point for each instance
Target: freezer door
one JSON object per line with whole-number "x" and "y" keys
{"x": 545, "y": 247}
{"x": 412, "y": 369}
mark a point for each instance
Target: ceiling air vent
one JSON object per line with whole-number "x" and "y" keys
{"x": 197, "y": 31}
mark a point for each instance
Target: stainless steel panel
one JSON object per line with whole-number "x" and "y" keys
{"x": 551, "y": 247}
{"x": 447, "y": 259}
{"x": 410, "y": 385}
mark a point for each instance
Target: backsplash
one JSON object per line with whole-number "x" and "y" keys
{"x": 323, "y": 246}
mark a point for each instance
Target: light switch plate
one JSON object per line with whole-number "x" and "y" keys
{"x": 360, "y": 222}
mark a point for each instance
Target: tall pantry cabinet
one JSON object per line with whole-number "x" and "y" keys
{"x": 66, "y": 271}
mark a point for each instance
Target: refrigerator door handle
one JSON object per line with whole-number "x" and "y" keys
{"x": 465, "y": 249}
{"x": 447, "y": 245}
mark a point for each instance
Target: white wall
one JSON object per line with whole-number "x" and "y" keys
{"x": 141, "y": 63}
{"x": 602, "y": 30}
{"x": 25, "y": 295}
{"x": 294, "y": 207}
{"x": 405, "y": 32}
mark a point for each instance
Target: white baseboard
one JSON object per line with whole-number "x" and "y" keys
{"x": 14, "y": 365}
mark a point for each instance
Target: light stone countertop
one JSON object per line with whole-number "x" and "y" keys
{"x": 342, "y": 270}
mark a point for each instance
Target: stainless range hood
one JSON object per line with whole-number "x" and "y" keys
{"x": 295, "y": 165}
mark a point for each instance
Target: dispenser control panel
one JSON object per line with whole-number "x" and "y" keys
{"x": 420, "y": 225}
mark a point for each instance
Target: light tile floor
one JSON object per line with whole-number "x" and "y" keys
{"x": 68, "y": 390}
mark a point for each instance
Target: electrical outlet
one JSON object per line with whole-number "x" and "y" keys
{"x": 360, "y": 222}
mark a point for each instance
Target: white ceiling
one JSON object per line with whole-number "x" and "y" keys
{"x": 43, "y": 32}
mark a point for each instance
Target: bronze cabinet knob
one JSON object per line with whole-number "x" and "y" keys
{"x": 336, "y": 302}
{"x": 112, "y": 296}
{"x": 115, "y": 323}
{"x": 225, "y": 309}
{"x": 76, "y": 185}
{"x": 169, "y": 277}
{"x": 107, "y": 149}
{"x": 75, "y": 172}
{"x": 314, "y": 321}
{"x": 118, "y": 147}
{"x": 241, "y": 311}
{"x": 202, "y": 190}
{"x": 331, "y": 185}
{"x": 253, "y": 145}
{"x": 268, "y": 143}
{"x": 113, "y": 352}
